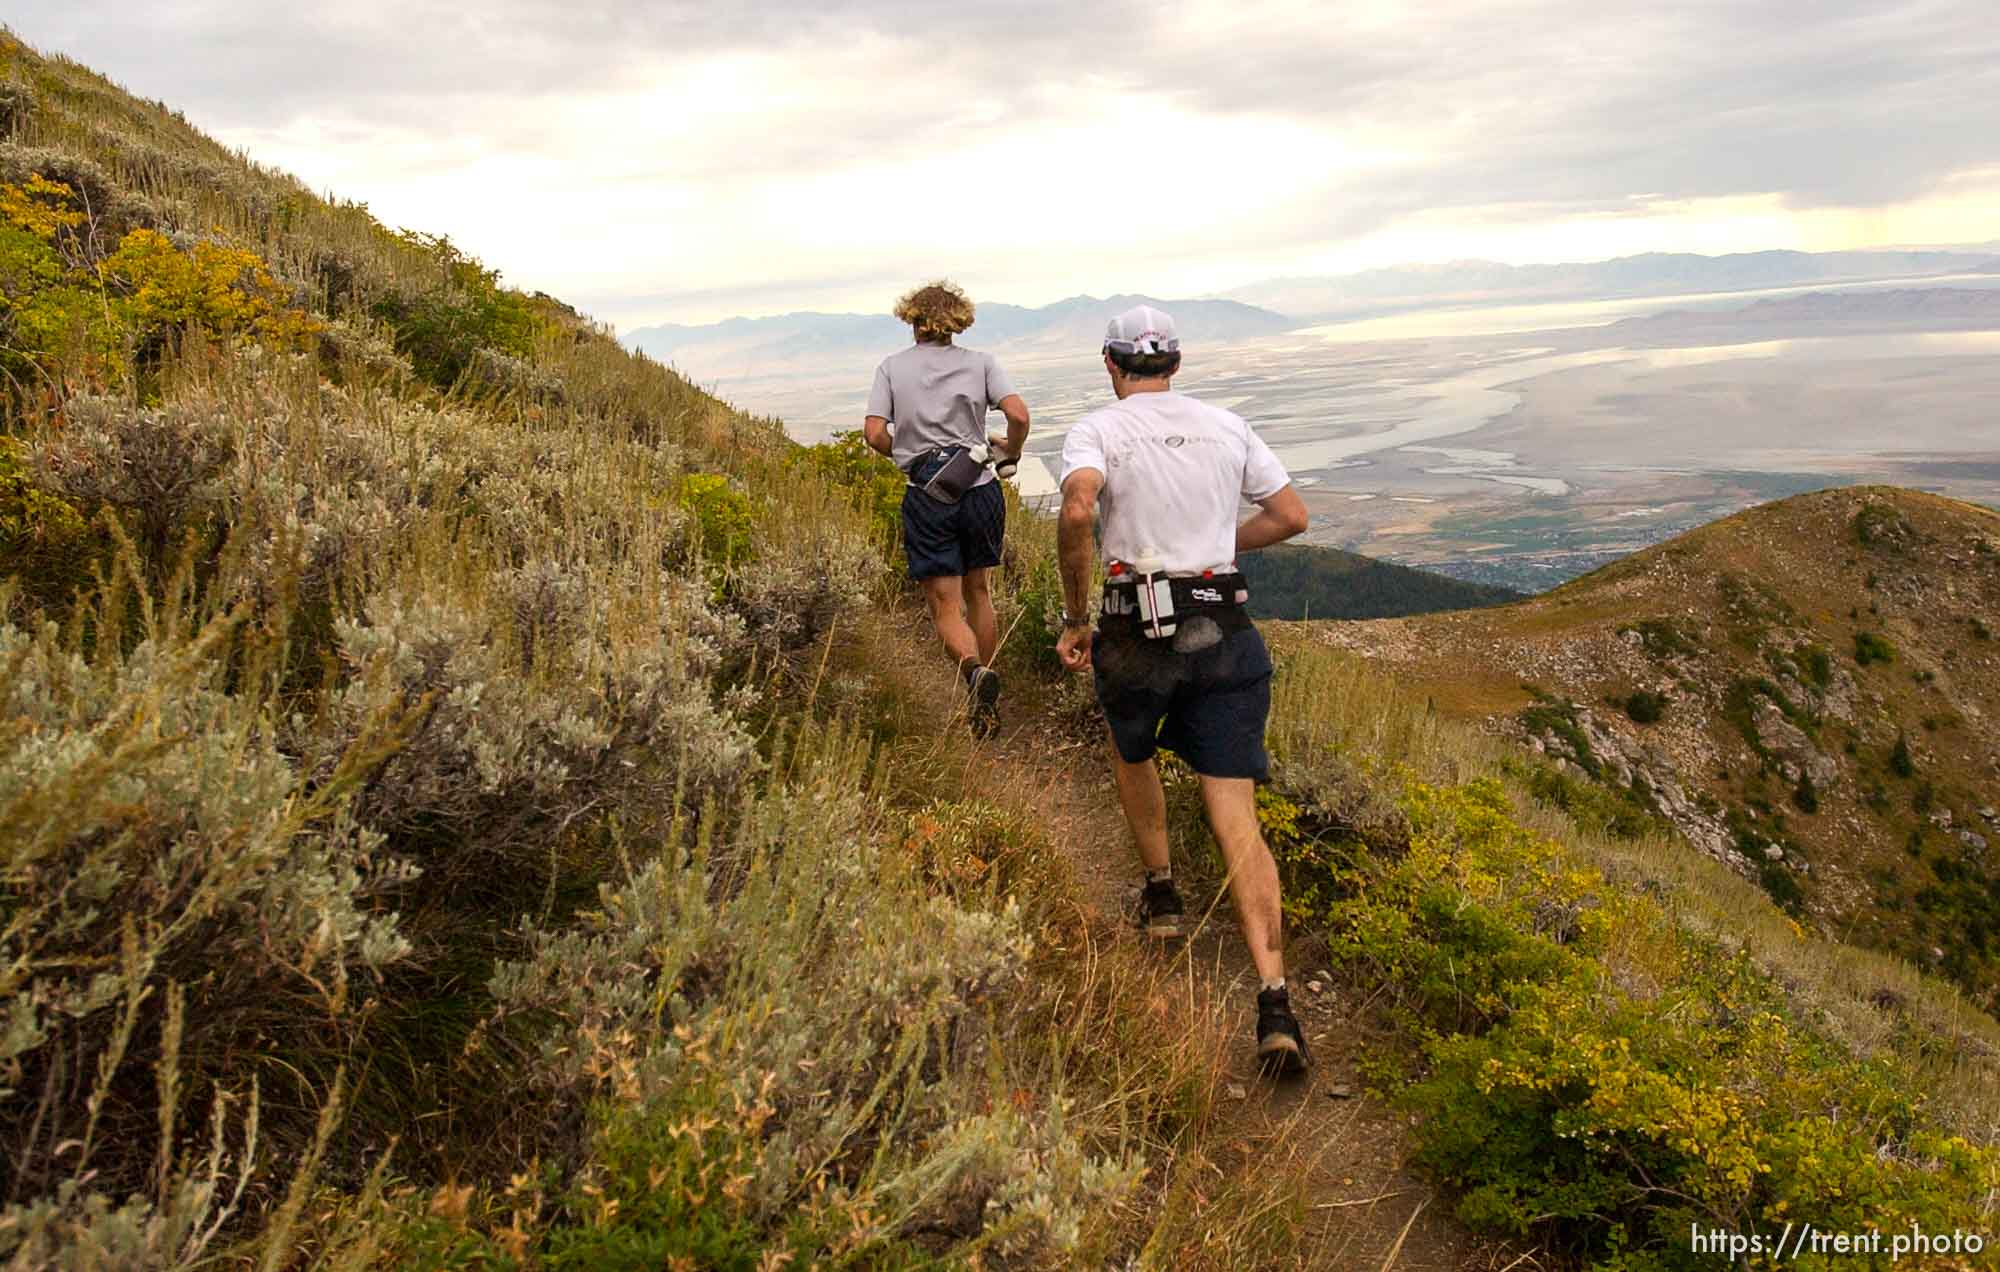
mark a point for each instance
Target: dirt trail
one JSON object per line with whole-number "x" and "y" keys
{"x": 1367, "y": 1208}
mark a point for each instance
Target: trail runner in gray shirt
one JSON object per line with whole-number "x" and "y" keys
{"x": 928, "y": 403}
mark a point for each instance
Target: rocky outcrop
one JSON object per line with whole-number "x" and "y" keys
{"x": 1595, "y": 748}
{"x": 1788, "y": 747}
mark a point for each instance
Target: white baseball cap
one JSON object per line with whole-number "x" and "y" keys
{"x": 1141, "y": 329}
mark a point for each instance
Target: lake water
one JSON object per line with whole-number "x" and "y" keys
{"x": 1324, "y": 405}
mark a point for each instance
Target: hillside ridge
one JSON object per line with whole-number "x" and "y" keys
{"x": 1801, "y": 689}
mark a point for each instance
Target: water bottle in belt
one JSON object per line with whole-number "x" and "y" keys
{"x": 1156, "y": 594}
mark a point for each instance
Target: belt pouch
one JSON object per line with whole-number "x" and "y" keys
{"x": 954, "y": 477}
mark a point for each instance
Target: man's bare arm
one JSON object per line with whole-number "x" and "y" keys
{"x": 1076, "y": 550}
{"x": 875, "y": 431}
{"x": 1076, "y": 554}
{"x": 1277, "y": 518}
{"x": 1016, "y": 412}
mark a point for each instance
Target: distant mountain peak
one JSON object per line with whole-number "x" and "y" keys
{"x": 1421, "y": 285}
{"x": 1076, "y": 321}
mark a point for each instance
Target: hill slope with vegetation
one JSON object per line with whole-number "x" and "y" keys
{"x": 468, "y": 799}
{"x": 1802, "y": 690}
{"x": 437, "y": 827}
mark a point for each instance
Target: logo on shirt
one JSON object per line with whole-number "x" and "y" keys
{"x": 1176, "y": 441}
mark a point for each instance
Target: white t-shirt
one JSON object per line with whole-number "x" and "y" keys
{"x": 1176, "y": 471}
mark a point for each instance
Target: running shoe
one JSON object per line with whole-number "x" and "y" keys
{"x": 1159, "y": 911}
{"x": 1281, "y": 1045}
{"x": 984, "y": 707}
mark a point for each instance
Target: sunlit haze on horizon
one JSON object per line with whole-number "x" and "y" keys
{"x": 686, "y": 163}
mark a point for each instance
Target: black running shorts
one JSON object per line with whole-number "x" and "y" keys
{"x": 942, "y": 539}
{"x": 1209, "y": 708}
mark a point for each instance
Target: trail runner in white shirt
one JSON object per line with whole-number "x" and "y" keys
{"x": 1164, "y": 475}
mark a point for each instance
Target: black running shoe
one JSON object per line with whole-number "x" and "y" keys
{"x": 1159, "y": 912}
{"x": 984, "y": 707}
{"x": 1281, "y": 1046}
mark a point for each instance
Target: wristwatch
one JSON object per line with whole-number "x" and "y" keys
{"x": 1070, "y": 620}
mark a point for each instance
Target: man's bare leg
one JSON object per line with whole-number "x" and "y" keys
{"x": 979, "y": 614}
{"x": 947, "y": 600}
{"x": 1253, "y": 875}
{"x": 1145, "y": 803}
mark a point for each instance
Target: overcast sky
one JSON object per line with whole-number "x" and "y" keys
{"x": 692, "y": 161}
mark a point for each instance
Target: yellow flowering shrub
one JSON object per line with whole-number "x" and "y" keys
{"x": 225, "y": 290}
{"x": 49, "y": 314}
{"x": 65, "y": 316}
{"x": 1606, "y": 1120}
{"x": 38, "y": 207}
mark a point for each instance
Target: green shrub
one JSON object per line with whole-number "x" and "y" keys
{"x": 1901, "y": 762}
{"x": 165, "y": 859}
{"x": 1644, "y": 706}
{"x": 1882, "y": 526}
{"x": 1664, "y": 637}
{"x": 1621, "y": 813}
{"x": 454, "y": 308}
{"x": 1805, "y": 795}
{"x": 1781, "y": 885}
{"x": 46, "y": 546}
{"x": 1037, "y": 624}
{"x": 723, "y": 517}
{"x": 162, "y": 468}
{"x": 53, "y": 321}
{"x": 869, "y": 478}
{"x": 1870, "y": 647}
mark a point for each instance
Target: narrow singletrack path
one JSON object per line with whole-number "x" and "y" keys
{"x": 1366, "y": 1207}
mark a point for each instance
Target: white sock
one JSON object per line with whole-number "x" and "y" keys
{"x": 1270, "y": 985}
{"x": 1163, "y": 875}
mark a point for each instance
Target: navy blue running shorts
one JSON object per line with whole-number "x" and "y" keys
{"x": 942, "y": 539}
{"x": 1209, "y": 708}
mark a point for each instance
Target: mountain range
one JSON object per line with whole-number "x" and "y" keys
{"x": 1065, "y": 326}
{"x": 739, "y": 346}
{"x": 1648, "y": 274}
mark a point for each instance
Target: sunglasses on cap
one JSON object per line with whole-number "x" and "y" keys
{"x": 1131, "y": 347}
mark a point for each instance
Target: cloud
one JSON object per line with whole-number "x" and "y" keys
{"x": 754, "y": 146}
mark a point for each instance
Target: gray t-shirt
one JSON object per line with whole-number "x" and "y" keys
{"x": 936, "y": 395}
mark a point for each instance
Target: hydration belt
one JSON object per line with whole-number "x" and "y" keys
{"x": 1207, "y": 591}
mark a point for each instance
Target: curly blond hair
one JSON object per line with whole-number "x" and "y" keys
{"x": 937, "y": 311}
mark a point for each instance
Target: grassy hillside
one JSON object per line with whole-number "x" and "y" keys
{"x": 1306, "y": 581}
{"x": 1803, "y": 690}
{"x": 468, "y": 799}
{"x": 452, "y": 810}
